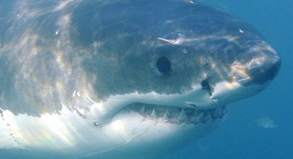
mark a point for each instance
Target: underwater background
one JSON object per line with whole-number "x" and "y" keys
{"x": 260, "y": 127}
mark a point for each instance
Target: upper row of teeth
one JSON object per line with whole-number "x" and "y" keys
{"x": 192, "y": 117}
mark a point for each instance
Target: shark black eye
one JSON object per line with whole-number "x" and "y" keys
{"x": 163, "y": 65}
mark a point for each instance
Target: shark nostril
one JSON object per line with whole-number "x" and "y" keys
{"x": 254, "y": 64}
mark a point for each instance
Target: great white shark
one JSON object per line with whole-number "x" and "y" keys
{"x": 121, "y": 78}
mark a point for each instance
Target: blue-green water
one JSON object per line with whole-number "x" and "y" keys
{"x": 241, "y": 137}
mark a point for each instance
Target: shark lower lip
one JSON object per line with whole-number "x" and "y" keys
{"x": 175, "y": 115}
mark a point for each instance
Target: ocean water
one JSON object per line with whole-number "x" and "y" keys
{"x": 260, "y": 127}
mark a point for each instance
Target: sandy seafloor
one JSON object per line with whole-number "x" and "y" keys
{"x": 260, "y": 127}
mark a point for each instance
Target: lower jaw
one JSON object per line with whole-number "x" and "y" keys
{"x": 176, "y": 115}
{"x": 154, "y": 130}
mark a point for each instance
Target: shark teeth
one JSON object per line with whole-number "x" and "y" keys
{"x": 200, "y": 117}
{"x": 177, "y": 115}
{"x": 183, "y": 116}
{"x": 153, "y": 114}
{"x": 142, "y": 110}
{"x": 166, "y": 116}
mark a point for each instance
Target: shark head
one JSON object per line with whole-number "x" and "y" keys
{"x": 121, "y": 79}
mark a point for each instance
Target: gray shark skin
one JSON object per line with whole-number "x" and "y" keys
{"x": 121, "y": 79}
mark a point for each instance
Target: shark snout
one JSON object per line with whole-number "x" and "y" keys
{"x": 261, "y": 68}
{"x": 264, "y": 69}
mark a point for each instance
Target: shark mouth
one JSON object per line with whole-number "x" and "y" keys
{"x": 175, "y": 115}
